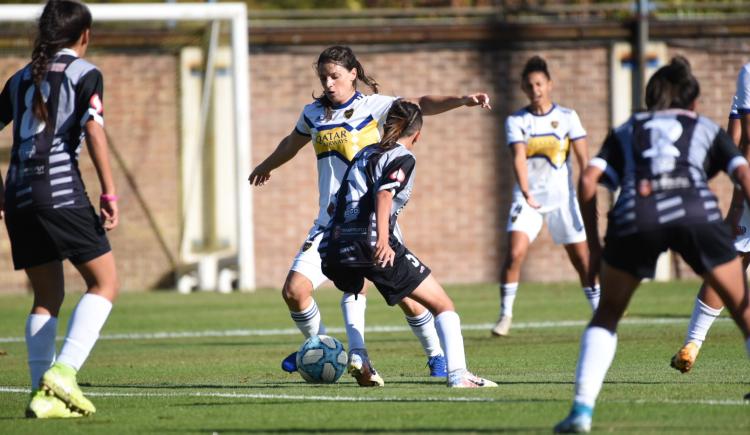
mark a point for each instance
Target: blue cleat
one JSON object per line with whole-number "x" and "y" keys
{"x": 438, "y": 366}
{"x": 578, "y": 421}
{"x": 290, "y": 363}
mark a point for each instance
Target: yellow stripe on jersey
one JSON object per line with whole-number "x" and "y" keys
{"x": 344, "y": 142}
{"x": 549, "y": 146}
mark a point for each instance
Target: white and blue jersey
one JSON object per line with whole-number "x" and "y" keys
{"x": 547, "y": 139}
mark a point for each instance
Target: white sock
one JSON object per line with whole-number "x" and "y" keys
{"x": 83, "y": 330}
{"x": 448, "y": 326}
{"x": 507, "y": 297}
{"x": 598, "y": 347}
{"x": 353, "y": 307}
{"x": 700, "y": 322}
{"x": 41, "y": 330}
{"x": 308, "y": 320}
{"x": 423, "y": 326}
{"x": 592, "y": 294}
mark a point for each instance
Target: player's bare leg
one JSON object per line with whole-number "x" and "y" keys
{"x": 432, "y": 295}
{"x": 578, "y": 253}
{"x": 518, "y": 247}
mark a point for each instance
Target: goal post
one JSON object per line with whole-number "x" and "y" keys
{"x": 236, "y": 15}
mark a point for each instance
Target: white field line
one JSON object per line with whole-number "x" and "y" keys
{"x": 300, "y": 397}
{"x": 370, "y": 329}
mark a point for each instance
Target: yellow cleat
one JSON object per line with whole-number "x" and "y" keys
{"x": 684, "y": 359}
{"x": 43, "y": 405}
{"x": 60, "y": 381}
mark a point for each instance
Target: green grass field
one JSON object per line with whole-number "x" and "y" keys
{"x": 222, "y": 375}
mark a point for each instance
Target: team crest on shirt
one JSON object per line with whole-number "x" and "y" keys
{"x": 96, "y": 103}
{"x": 398, "y": 175}
{"x": 306, "y": 245}
{"x": 348, "y": 114}
{"x": 554, "y": 124}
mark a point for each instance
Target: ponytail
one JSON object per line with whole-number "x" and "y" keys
{"x": 404, "y": 119}
{"x": 344, "y": 57}
{"x": 672, "y": 86}
{"x": 61, "y": 24}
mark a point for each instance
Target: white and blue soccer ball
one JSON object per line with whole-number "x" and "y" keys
{"x": 321, "y": 359}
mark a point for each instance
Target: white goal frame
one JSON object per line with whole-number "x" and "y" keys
{"x": 236, "y": 15}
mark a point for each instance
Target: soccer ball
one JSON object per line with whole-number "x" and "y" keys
{"x": 321, "y": 359}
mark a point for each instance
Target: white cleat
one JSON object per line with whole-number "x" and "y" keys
{"x": 502, "y": 327}
{"x": 361, "y": 369}
{"x": 466, "y": 379}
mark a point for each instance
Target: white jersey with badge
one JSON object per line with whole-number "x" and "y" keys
{"x": 547, "y": 139}
{"x": 352, "y": 126}
{"x": 741, "y": 100}
{"x": 741, "y": 106}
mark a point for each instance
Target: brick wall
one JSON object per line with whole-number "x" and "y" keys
{"x": 456, "y": 219}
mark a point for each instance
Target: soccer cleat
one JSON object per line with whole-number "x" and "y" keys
{"x": 289, "y": 364}
{"x": 438, "y": 366}
{"x": 502, "y": 327}
{"x": 465, "y": 379}
{"x": 43, "y": 405}
{"x": 361, "y": 369}
{"x": 578, "y": 421}
{"x": 60, "y": 380}
{"x": 684, "y": 359}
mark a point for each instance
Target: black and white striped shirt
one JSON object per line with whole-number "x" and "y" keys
{"x": 43, "y": 171}
{"x": 662, "y": 161}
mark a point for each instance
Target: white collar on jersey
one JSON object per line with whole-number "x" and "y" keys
{"x": 69, "y": 51}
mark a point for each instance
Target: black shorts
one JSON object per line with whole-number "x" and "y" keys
{"x": 45, "y": 235}
{"x": 393, "y": 282}
{"x": 702, "y": 246}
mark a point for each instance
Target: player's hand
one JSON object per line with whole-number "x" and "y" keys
{"x": 109, "y": 213}
{"x": 478, "y": 99}
{"x": 384, "y": 255}
{"x": 259, "y": 176}
{"x": 531, "y": 201}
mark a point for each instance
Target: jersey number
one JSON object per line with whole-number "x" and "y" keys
{"x": 663, "y": 153}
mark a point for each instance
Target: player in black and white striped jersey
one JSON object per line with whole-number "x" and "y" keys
{"x": 361, "y": 241}
{"x": 708, "y": 305}
{"x": 662, "y": 160}
{"x": 54, "y": 103}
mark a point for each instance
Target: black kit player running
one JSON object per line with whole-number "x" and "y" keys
{"x": 48, "y": 213}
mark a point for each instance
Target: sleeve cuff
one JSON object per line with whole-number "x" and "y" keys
{"x": 735, "y": 163}
{"x": 301, "y": 133}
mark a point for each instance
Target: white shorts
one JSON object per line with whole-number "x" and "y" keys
{"x": 307, "y": 261}
{"x": 742, "y": 240}
{"x": 565, "y": 222}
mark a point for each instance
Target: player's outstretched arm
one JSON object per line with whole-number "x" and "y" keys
{"x": 435, "y": 104}
{"x": 581, "y": 152}
{"x": 287, "y": 148}
{"x": 98, "y": 148}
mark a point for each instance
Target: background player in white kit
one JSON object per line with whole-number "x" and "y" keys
{"x": 708, "y": 304}
{"x": 339, "y": 123}
{"x": 541, "y": 136}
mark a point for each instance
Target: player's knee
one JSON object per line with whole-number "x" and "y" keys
{"x": 294, "y": 292}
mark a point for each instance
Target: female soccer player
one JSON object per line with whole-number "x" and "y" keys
{"x": 708, "y": 304}
{"x": 540, "y": 137}
{"x": 361, "y": 242}
{"x": 662, "y": 160}
{"x": 54, "y": 102}
{"x": 341, "y": 122}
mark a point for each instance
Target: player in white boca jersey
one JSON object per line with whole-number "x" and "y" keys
{"x": 53, "y": 103}
{"x": 541, "y": 136}
{"x": 708, "y": 304}
{"x": 339, "y": 123}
